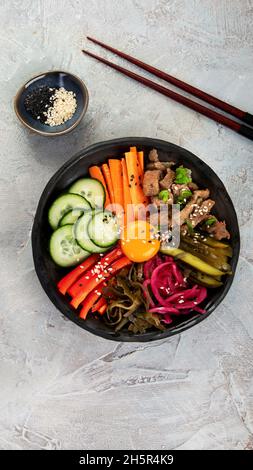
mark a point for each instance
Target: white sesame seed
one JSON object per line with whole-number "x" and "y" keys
{"x": 63, "y": 107}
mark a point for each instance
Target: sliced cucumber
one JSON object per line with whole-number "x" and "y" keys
{"x": 91, "y": 189}
{"x": 64, "y": 249}
{"x": 71, "y": 217}
{"x": 82, "y": 235}
{"x": 103, "y": 229}
{"x": 64, "y": 204}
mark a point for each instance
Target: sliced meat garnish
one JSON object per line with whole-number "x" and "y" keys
{"x": 156, "y": 166}
{"x": 151, "y": 182}
{"x": 200, "y": 212}
{"x": 192, "y": 186}
{"x": 218, "y": 230}
{"x": 187, "y": 210}
{"x": 195, "y": 201}
{"x": 167, "y": 181}
{"x": 169, "y": 164}
{"x": 153, "y": 155}
{"x": 201, "y": 193}
{"x": 177, "y": 188}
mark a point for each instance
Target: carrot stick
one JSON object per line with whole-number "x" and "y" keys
{"x": 141, "y": 160}
{"x": 108, "y": 179}
{"x": 139, "y": 166}
{"x": 96, "y": 173}
{"x": 117, "y": 180}
{"x": 117, "y": 183}
{"x": 136, "y": 191}
{"x": 133, "y": 150}
{"x": 126, "y": 193}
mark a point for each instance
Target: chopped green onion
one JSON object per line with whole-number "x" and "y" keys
{"x": 183, "y": 175}
{"x": 185, "y": 194}
{"x": 164, "y": 195}
{"x": 210, "y": 221}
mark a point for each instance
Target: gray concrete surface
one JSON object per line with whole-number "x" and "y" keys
{"x": 61, "y": 387}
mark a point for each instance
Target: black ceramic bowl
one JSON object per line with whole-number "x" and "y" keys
{"x": 54, "y": 79}
{"x": 77, "y": 167}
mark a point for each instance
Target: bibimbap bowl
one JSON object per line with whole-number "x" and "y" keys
{"x": 77, "y": 167}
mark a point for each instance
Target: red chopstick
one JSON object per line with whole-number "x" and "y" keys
{"x": 235, "y": 126}
{"x": 228, "y": 108}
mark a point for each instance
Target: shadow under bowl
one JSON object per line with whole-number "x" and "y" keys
{"x": 54, "y": 79}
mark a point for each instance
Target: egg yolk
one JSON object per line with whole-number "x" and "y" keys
{"x": 138, "y": 242}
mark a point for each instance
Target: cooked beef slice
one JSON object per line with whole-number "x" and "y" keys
{"x": 195, "y": 201}
{"x": 156, "y": 166}
{"x": 167, "y": 181}
{"x": 201, "y": 193}
{"x": 192, "y": 186}
{"x": 153, "y": 156}
{"x": 151, "y": 182}
{"x": 218, "y": 230}
{"x": 177, "y": 188}
{"x": 200, "y": 212}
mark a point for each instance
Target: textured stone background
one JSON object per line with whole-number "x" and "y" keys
{"x": 60, "y": 386}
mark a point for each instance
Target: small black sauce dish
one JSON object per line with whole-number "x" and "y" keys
{"x": 54, "y": 79}
{"x": 49, "y": 274}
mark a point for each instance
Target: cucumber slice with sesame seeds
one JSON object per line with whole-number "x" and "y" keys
{"x": 64, "y": 204}
{"x": 64, "y": 249}
{"x": 91, "y": 189}
{"x": 103, "y": 229}
{"x": 82, "y": 236}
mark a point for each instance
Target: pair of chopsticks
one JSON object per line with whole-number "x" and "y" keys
{"x": 239, "y": 127}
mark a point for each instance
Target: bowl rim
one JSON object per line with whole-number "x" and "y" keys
{"x": 85, "y": 93}
{"x": 58, "y": 300}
